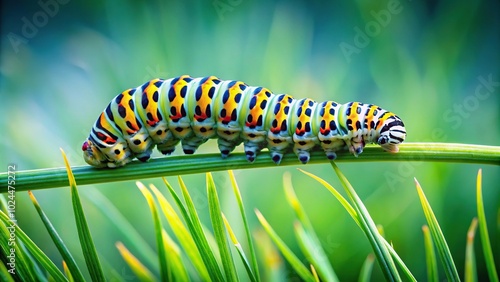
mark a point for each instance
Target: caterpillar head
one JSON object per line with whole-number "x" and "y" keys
{"x": 92, "y": 155}
{"x": 392, "y": 134}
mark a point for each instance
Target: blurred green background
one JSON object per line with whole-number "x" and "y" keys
{"x": 435, "y": 64}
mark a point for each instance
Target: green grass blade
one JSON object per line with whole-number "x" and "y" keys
{"x": 273, "y": 268}
{"x": 251, "y": 248}
{"x": 239, "y": 249}
{"x": 366, "y": 269}
{"x": 430, "y": 255}
{"x": 294, "y": 261}
{"x": 130, "y": 236}
{"x": 306, "y": 236}
{"x": 174, "y": 257}
{"x": 67, "y": 272}
{"x": 314, "y": 273}
{"x": 314, "y": 253}
{"x": 347, "y": 206}
{"x": 12, "y": 253}
{"x": 356, "y": 219}
{"x": 61, "y": 247}
{"x": 438, "y": 237}
{"x": 194, "y": 224}
{"x": 483, "y": 231}
{"x": 135, "y": 265}
{"x": 162, "y": 256}
{"x": 181, "y": 232}
{"x": 4, "y": 274}
{"x": 24, "y": 263}
{"x": 86, "y": 241}
{"x": 399, "y": 262}
{"x": 470, "y": 255}
{"x": 370, "y": 229}
{"x": 219, "y": 230}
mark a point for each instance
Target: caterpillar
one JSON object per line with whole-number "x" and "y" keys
{"x": 189, "y": 110}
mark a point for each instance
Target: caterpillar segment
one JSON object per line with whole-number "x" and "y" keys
{"x": 190, "y": 111}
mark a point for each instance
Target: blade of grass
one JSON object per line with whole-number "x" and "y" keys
{"x": 294, "y": 261}
{"x": 86, "y": 241}
{"x": 337, "y": 195}
{"x": 4, "y": 274}
{"x": 438, "y": 237}
{"x": 366, "y": 269}
{"x": 162, "y": 256}
{"x": 272, "y": 263}
{"x": 194, "y": 224}
{"x": 381, "y": 251}
{"x": 356, "y": 219}
{"x": 142, "y": 273}
{"x": 174, "y": 257}
{"x": 182, "y": 234}
{"x": 470, "y": 256}
{"x": 251, "y": 248}
{"x": 67, "y": 272}
{"x": 219, "y": 231}
{"x": 306, "y": 236}
{"x": 314, "y": 253}
{"x": 68, "y": 259}
{"x": 430, "y": 255}
{"x": 12, "y": 253}
{"x": 238, "y": 247}
{"x": 24, "y": 263}
{"x": 314, "y": 273}
{"x": 483, "y": 231}
{"x": 123, "y": 225}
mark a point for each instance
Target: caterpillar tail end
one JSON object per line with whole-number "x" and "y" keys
{"x": 392, "y": 148}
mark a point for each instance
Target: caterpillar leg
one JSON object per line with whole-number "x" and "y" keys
{"x": 190, "y": 145}
{"x": 330, "y": 145}
{"x": 330, "y": 154}
{"x": 356, "y": 145}
{"x": 226, "y": 146}
{"x": 144, "y": 156}
{"x": 278, "y": 146}
{"x": 302, "y": 147}
{"x": 277, "y": 157}
{"x": 252, "y": 149}
{"x": 120, "y": 156}
{"x": 168, "y": 147}
{"x": 141, "y": 145}
{"x": 303, "y": 155}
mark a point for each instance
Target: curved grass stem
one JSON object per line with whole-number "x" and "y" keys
{"x": 179, "y": 165}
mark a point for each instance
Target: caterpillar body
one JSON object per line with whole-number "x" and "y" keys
{"x": 190, "y": 110}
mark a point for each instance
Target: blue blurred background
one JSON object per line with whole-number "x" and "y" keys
{"x": 435, "y": 64}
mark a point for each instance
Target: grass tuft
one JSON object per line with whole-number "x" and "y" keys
{"x": 70, "y": 265}
{"x": 430, "y": 255}
{"x": 165, "y": 272}
{"x": 470, "y": 255}
{"x": 135, "y": 265}
{"x": 438, "y": 238}
{"x": 86, "y": 241}
{"x": 370, "y": 229}
{"x": 219, "y": 231}
{"x": 483, "y": 231}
